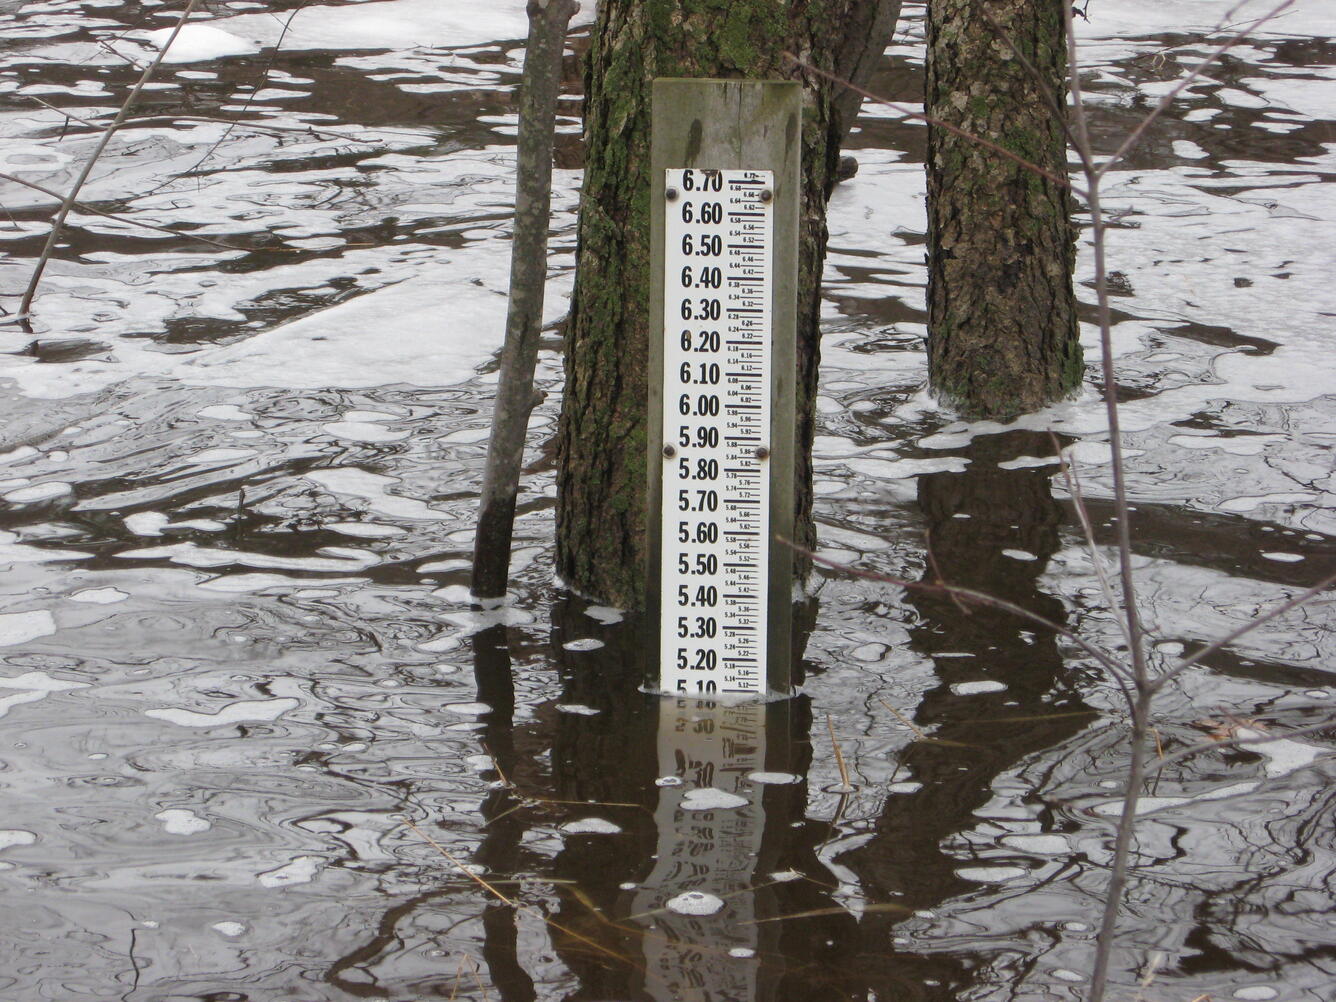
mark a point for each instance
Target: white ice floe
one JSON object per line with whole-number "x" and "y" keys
{"x": 975, "y": 688}
{"x": 583, "y": 644}
{"x": 773, "y": 778}
{"x": 31, "y": 687}
{"x": 590, "y": 826}
{"x": 301, "y": 870}
{"x": 695, "y": 903}
{"x": 710, "y": 798}
{"x": 100, "y": 596}
{"x": 20, "y": 627}
{"x": 199, "y": 43}
{"x": 39, "y": 492}
{"x": 232, "y": 713}
{"x": 15, "y": 836}
{"x": 179, "y": 821}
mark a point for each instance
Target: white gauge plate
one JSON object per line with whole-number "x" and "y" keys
{"x": 715, "y": 542}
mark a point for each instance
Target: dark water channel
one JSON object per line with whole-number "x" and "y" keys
{"x": 255, "y": 745}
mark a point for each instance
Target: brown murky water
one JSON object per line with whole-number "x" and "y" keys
{"x": 254, "y": 744}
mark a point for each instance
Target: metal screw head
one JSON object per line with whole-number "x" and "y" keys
{"x": 767, "y": 195}
{"x": 669, "y": 452}
{"x": 671, "y": 194}
{"x": 762, "y": 452}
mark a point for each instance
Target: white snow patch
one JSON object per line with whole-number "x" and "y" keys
{"x": 242, "y": 709}
{"x": 100, "y": 596}
{"x": 590, "y": 826}
{"x": 178, "y": 821}
{"x": 584, "y": 644}
{"x": 711, "y": 798}
{"x": 402, "y": 24}
{"x": 301, "y": 870}
{"x": 20, "y": 627}
{"x": 198, "y": 43}
{"x": 695, "y": 903}
{"x": 39, "y": 492}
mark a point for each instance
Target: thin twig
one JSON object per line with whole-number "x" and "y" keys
{"x": 1135, "y": 135}
{"x": 1073, "y": 481}
{"x": 1241, "y": 741}
{"x": 908, "y": 112}
{"x": 969, "y": 595}
{"x": 58, "y": 224}
{"x": 1245, "y": 629}
{"x": 492, "y": 889}
{"x": 839, "y": 756}
{"x": 85, "y": 207}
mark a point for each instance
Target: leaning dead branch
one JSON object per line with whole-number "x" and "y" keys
{"x": 58, "y": 223}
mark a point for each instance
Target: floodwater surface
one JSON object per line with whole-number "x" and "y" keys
{"x": 256, "y": 745}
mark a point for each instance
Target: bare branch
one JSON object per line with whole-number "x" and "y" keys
{"x": 908, "y": 112}
{"x": 1073, "y": 482}
{"x": 1242, "y": 741}
{"x": 58, "y": 224}
{"x": 1135, "y": 135}
{"x": 85, "y": 207}
{"x": 968, "y": 595}
{"x": 1057, "y": 107}
{"x": 1245, "y": 629}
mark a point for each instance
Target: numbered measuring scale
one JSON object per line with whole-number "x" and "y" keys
{"x": 715, "y": 505}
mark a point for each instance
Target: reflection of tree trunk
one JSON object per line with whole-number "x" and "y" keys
{"x": 972, "y": 517}
{"x": 499, "y": 851}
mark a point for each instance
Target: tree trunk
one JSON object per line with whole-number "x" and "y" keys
{"x": 1002, "y": 332}
{"x": 539, "y": 90}
{"x": 601, "y": 477}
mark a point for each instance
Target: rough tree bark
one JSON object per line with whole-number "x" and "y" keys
{"x": 1002, "y": 332}
{"x": 601, "y": 439}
